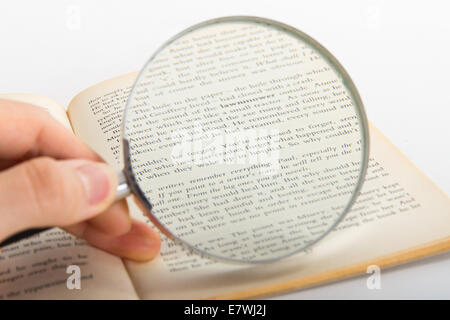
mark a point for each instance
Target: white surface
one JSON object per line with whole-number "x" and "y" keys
{"x": 397, "y": 54}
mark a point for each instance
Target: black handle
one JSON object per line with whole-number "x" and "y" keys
{"x": 22, "y": 235}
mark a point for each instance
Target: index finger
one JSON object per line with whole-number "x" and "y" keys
{"x": 28, "y": 131}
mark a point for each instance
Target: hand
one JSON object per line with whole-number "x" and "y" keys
{"x": 48, "y": 177}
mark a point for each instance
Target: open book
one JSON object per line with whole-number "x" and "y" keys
{"x": 400, "y": 215}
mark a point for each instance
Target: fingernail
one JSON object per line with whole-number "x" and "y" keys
{"x": 96, "y": 182}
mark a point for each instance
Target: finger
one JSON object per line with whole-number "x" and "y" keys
{"x": 140, "y": 243}
{"x": 39, "y": 135}
{"x": 45, "y": 192}
{"x": 45, "y": 136}
{"x": 115, "y": 221}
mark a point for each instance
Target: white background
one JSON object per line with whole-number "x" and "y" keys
{"x": 397, "y": 53}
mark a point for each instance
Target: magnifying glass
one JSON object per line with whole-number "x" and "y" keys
{"x": 244, "y": 139}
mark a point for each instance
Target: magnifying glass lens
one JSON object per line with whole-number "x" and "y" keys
{"x": 246, "y": 139}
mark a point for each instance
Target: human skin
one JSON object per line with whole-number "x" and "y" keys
{"x": 48, "y": 177}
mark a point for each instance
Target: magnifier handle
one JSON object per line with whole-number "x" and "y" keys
{"x": 123, "y": 190}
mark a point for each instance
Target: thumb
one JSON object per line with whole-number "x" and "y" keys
{"x": 46, "y": 192}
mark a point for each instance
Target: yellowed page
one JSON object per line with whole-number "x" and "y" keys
{"x": 52, "y": 107}
{"x": 36, "y": 268}
{"x": 398, "y": 212}
{"x": 96, "y": 115}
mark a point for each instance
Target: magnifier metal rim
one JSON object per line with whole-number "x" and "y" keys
{"x": 332, "y": 61}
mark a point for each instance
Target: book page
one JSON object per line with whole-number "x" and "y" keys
{"x": 38, "y": 267}
{"x": 399, "y": 215}
{"x": 51, "y": 106}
